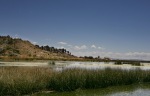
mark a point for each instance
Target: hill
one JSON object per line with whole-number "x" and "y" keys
{"x": 16, "y": 48}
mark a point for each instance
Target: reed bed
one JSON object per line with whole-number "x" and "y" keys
{"x": 72, "y": 79}
{"x": 23, "y": 80}
{"x": 133, "y": 63}
{"x": 27, "y": 80}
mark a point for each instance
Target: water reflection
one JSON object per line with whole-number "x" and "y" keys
{"x": 128, "y": 90}
{"x": 100, "y": 65}
{"x": 138, "y": 92}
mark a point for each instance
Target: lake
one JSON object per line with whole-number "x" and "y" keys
{"x": 128, "y": 90}
{"x": 59, "y": 65}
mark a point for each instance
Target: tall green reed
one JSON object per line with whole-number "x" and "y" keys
{"x": 72, "y": 79}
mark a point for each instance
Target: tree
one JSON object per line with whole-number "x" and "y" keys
{"x": 47, "y": 48}
{"x": 37, "y": 46}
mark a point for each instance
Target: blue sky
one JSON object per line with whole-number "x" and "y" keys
{"x": 106, "y": 28}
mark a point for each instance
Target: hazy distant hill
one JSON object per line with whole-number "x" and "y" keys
{"x": 22, "y": 49}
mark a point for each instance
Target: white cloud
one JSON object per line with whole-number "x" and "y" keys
{"x": 34, "y": 43}
{"x": 93, "y": 46}
{"x": 100, "y": 48}
{"x": 80, "y": 47}
{"x": 138, "y": 54}
{"x": 62, "y": 43}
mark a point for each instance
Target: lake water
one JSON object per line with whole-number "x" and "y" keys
{"x": 59, "y": 65}
{"x": 128, "y": 90}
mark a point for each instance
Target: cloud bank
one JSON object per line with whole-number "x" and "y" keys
{"x": 115, "y": 55}
{"x": 83, "y": 47}
{"x": 95, "y": 50}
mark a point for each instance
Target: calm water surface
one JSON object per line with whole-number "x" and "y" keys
{"x": 128, "y": 90}
{"x": 59, "y": 65}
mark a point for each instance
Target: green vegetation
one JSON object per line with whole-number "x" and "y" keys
{"x": 23, "y": 80}
{"x": 51, "y": 63}
{"x": 118, "y": 62}
{"x": 72, "y": 79}
{"x": 28, "y": 80}
{"x": 133, "y": 63}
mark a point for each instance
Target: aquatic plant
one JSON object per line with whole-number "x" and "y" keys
{"x": 23, "y": 80}
{"x": 133, "y": 63}
{"x": 118, "y": 62}
{"x": 51, "y": 63}
{"x": 136, "y": 64}
{"x": 72, "y": 79}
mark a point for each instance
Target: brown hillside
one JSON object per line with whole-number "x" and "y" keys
{"x": 18, "y": 48}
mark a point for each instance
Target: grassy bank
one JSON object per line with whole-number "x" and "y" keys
{"x": 27, "y": 80}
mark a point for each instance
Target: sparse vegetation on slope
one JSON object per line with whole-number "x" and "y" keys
{"x": 15, "y": 48}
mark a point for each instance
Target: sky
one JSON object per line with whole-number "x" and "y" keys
{"x": 117, "y": 29}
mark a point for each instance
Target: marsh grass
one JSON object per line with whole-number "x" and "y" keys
{"x": 27, "y": 80}
{"x": 23, "y": 80}
{"x": 51, "y": 63}
{"x": 136, "y": 64}
{"x": 73, "y": 79}
{"x": 133, "y": 63}
{"x": 118, "y": 62}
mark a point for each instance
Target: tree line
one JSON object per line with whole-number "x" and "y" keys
{"x": 53, "y": 49}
